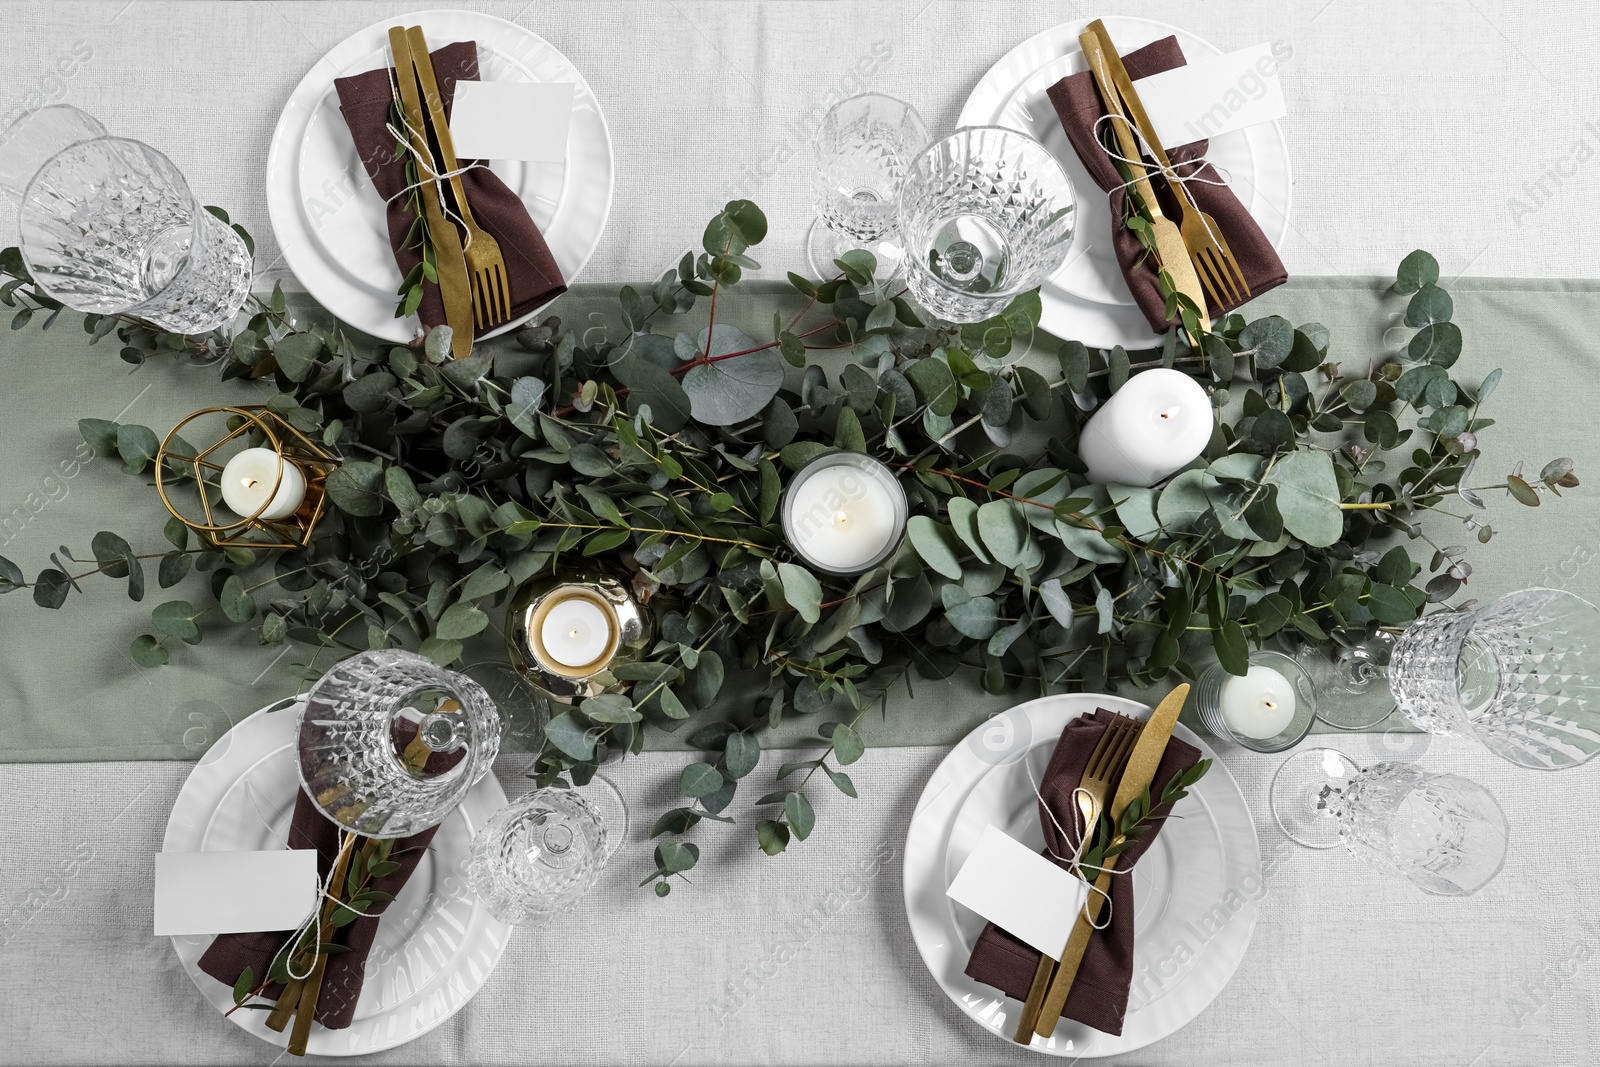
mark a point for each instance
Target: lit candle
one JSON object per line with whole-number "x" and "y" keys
{"x": 249, "y": 478}
{"x": 574, "y": 632}
{"x": 1259, "y": 705}
{"x": 1150, "y": 428}
{"x": 844, "y": 512}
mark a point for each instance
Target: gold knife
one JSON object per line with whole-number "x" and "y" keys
{"x": 1208, "y": 248}
{"x": 1140, "y": 772}
{"x": 448, "y": 259}
{"x": 1172, "y": 255}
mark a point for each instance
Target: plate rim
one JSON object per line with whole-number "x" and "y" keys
{"x": 1077, "y": 703}
{"x": 487, "y": 793}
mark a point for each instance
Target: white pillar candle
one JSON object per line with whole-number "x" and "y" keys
{"x": 1259, "y": 705}
{"x": 574, "y": 632}
{"x": 844, "y": 513}
{"x": 249, "y": 477}
{"x": 1150, "y": 428}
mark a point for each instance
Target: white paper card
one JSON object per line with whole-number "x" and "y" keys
{"x": 1213, "y": 96}
{"x": 233, "y": 892}
{"x": 512, "y": 120}
{"x": 1019, "y": 891}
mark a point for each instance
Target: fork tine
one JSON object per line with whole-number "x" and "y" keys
{"x": 1232, "y": 261}
{"x": 1206, "y": 282}
{"x": 1220, "y": 275}
{"x": 1097, "y": 757}
{"x": 505, "y": 292}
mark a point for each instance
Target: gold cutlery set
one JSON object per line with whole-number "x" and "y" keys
{"x": 471, "y": 276}
{"x": 1127, "y": 755}
{"x": 1192, "y": 251}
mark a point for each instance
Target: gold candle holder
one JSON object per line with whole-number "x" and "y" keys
{"x": 627, "y": 638}
{"x": 257, "y": 426}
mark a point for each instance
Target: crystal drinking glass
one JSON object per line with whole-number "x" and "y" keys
{"x": 1520, "y": 675}
{"x": 390, "y": 743}
{"x": 109, "y": 227}
{"x": 1353, "y": 680}
{"x": 986, "y": 214}
{"x": 861, "y": 151}
{"x": 1443, "y": 832}
{"x": 537, "y": 856}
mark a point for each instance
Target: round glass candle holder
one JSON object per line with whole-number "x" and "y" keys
{"x": 563, "y": 682}
{"x": 813, "y": 522}
{"x": 1209, "y": 696}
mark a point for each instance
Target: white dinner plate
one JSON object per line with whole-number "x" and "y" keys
{"x": 436, "y": 943}
{"x": 329, "y": 220}
{"x": 1087, "y": 299}
{"x": 1196, "y": 890}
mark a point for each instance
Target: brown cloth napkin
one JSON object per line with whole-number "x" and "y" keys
{"x": 1078, "y": 105}
{"x": 531, "y": 270}
{"x": 1099, "y": 996}
{"x": 230, "y": 954}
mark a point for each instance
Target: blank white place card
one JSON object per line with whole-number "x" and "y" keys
{"x": 1020, "y": 891}
{"x": 1214, "y": 95}
{"x": 511, "y": 120}
{"x": 234, "y": 892}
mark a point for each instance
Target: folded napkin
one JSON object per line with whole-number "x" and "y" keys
{"x": 531, "y": 270}
{"x": 1099, "y": 994}
{"x": 230, "y": 954}
{"x": 1078, "y": 105}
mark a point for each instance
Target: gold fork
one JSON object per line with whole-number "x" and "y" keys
{"x": 1172, "y": 255}
{"x": 1105, "y": 766}
{"x": 491, "y": 296}
{"x": 1219, "y": 269}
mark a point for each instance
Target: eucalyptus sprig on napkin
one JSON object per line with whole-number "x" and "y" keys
{"x": 661, "y": 450}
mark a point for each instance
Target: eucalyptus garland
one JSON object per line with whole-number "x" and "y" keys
{"x": 662, "y": 451}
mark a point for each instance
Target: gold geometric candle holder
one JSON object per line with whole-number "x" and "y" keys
{"x": 256, "y": 427}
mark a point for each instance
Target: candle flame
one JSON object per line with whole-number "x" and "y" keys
{"x": 248, "y": 483}
{"x": 574, "y": 633}
{"x": 1170, "y": 413}
{"x": 841, "y": 518}
{"x": 1270, "y": 705}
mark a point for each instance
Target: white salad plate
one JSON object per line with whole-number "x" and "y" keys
{"x": 436, "y": 944}
{"x": 1196, "y": 891}
{"x": 1087, "y": 299}
{"x": 331, "y": 223}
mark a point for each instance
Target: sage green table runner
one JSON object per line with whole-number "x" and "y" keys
{"x": 69, "y": 691}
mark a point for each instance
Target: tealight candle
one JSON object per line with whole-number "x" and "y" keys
{"x": 1152, "y": 427}
{"x": 844, "y": 512}
{"x": 1259, "y": 705}
{"x": 251, "y": 475}
{"x": 574, "y": 632}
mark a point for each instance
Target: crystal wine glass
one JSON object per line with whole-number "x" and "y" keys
{"x": 1353, "y": 679}
{"x": 1445, "y": 833}
{"x": 1520, "y": 675}
{"x": 109, "y": 227}
{"x": 390, "y": 743}
{"x": 861, "y": 151}
{"x": 986, "y": 214}
{"x": 537, "y": 856}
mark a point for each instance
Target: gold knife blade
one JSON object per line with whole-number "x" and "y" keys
{"x": 449, "y": 260}
{"x": 1130, "y": 98}
{"x": 1171, "y": 253}
{"x": 1136, "y": 778}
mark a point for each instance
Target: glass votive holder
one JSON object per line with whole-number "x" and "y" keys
{"x": 1268, "y": 710}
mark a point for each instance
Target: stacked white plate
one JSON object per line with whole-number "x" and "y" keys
{"x": 1196, "y": 890}
{"x": 1087, "y": 299}
{"x": 436, "y": 944}
{"x": 330, "y": 222}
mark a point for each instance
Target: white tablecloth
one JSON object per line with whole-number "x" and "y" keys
{"x": 1463, "y": 127}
